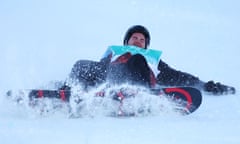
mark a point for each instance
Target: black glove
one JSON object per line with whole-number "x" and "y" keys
{"x": 218, "y": 88}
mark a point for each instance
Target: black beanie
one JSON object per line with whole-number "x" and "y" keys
{"x": 137, "y": 29}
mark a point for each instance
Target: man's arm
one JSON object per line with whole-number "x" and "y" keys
{"x": 171, "y": 77}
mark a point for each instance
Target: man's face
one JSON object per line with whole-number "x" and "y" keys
{"x": 137, "y": 39}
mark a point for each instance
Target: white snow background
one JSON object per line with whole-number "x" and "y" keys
{"x": 41, "y": 40}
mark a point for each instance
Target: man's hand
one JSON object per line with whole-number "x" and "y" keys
{"x": 218, "y": 88}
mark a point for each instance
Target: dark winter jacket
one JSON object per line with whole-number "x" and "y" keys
{"x": 167, "y": 76}
{"x": 92, "y": 73}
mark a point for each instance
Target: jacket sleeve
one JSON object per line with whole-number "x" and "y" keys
{"x": 171, "y": 77}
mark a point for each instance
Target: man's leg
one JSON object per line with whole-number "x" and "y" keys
{"x": 88, "y": 73}
{"x": 139, "y": 70}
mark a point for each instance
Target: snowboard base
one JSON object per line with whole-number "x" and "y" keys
{"x": 187, "y": 99}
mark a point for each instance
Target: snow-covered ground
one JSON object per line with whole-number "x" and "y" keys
{"x": 41, "y": 40}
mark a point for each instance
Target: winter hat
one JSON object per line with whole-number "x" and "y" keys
{"x": 137, "y": 29}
